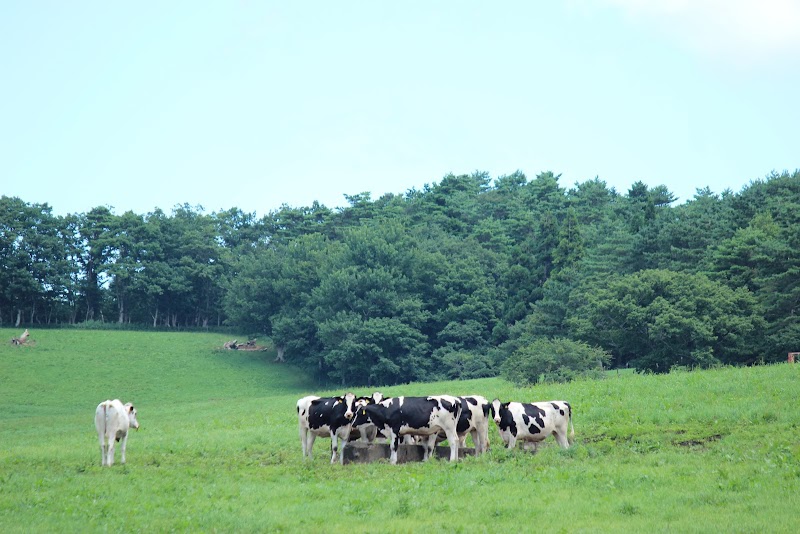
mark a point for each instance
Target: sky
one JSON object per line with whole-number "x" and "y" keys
{"x": 257, "y": 104}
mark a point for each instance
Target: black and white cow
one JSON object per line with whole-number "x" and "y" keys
{"x": 416, "y": 416}
{"x": 329, "y": 416}
{"x": 474, "y": 421}
{"x": 532, "y": 423}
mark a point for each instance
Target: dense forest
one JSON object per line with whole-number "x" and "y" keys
{"x": 461, "y": 279}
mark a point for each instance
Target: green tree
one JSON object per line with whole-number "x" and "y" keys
{"x": 97, "y": 251}
{"x": 554, "y": 360}
{"x": 656, "y": 319}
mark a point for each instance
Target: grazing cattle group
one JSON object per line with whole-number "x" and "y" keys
{"x": 429, "y": 420}
{"x": 415, "y": 416}
{"x": 421, "y": 420}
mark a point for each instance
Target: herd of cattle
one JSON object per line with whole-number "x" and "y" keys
{"x": 421, "y": 420}
{"x": 428, "y": 420}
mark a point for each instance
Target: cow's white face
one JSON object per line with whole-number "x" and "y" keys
{"x": 350, "y": 402}
{"x": 131, "y": 411}
{"x": 496, "y": 410}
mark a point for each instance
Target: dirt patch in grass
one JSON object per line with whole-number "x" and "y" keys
{"x": 699, "y": 442}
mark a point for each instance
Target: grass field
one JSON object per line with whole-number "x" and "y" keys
{"x": 218, "y": 450}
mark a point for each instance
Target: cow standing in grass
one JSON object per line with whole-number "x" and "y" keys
{"x": 328, "y": 417}
{"x": 474, "y": 421}
{"x": 112, "y": 419}
{"x": 532, "y": 423}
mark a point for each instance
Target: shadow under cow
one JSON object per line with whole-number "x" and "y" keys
{"x": 364, "y": 453}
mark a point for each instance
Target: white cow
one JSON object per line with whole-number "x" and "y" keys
{"x": 113, "y": 420}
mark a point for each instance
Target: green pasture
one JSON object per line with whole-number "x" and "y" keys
{"x": 218, "y": 449}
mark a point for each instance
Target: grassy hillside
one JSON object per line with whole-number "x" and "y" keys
{"x": 218, "y": 450}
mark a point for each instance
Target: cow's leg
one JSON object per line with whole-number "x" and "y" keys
{"x": 479, "y": 437}
{"x": 476, "y": 440}
{"x": 561, "y": 438}
{"x": 345, "y": 440}
{"x": 303, "y": 439}
{"x": 483, "y": 437}
{"x": 102, "y": 440}
{"x": 310, "y": 437}
{"x": 512, "y": 441}
{"x": 110, "y": 451}
{"x": 429, "y": 445}
{"x": 122, "y": 446}
{"x": 452, "y": 439}
{"x": 334, "y": 444}
{"x": 394, "y": 442}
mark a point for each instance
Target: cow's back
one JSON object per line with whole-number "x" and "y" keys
{"x": 110, "y": 419}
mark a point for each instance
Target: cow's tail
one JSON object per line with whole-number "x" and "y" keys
{"x": 571, "y": 428}
{"x": 105, "y": 420}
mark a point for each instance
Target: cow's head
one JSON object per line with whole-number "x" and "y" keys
{"x": 131, "y": 411}
{"x": 371, "y": 413}
{"x": 375, "y": 398}
{"x": 494, "y": 410}
{"x": 349, "y": 400}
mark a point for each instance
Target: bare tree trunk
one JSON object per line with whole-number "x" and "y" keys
{"x": 280, "y": 349}
{"x": 19, "y": 317}
{"x": 155, "y": 319}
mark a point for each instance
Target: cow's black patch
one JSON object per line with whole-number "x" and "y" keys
{"x": 447, "y": 405}
{"x": 506, "y": 419}
{"x": 536, "y": 413}
{"x": 414, "y": 413}
{"x": 464, "y": 420}
{"x": 329, "y": 412}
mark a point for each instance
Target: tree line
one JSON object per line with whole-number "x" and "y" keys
{"x": 459, "y": 279}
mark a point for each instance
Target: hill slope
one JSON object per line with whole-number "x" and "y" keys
{"x": 715, "y": 450}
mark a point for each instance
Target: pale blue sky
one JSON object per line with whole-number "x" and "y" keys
{"x": 138, "y": 105}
